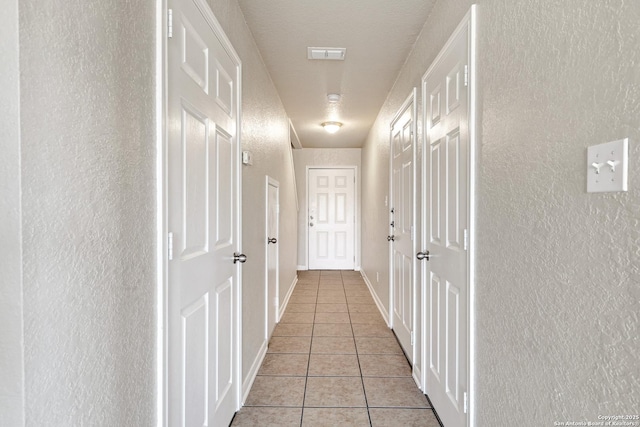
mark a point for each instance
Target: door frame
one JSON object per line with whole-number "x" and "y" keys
{"x": 468, "y": 21}
{"x": 270, "y": 181}
{"x": 412, "y": 98}
{"x": 356, "y": 253}
{"x": 162, "y": 228}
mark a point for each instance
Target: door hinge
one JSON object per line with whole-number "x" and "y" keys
{"x": 465, "y": 398}
{"x": 466, "y": 75}
{"x": 466, "y": 239}
{"x": 170, "y": 245}
{"x": 412, "y": 337}
{"x": 170, "y": 23}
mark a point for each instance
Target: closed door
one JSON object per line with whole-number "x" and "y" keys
{"x": 446, "y": 224}
{"x": 401, "y": 224}
{"x": 331, "y": 219}
{"x": 202, "y": 190}
{"x": 272, "y": 255}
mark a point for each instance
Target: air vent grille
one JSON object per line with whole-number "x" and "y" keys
{"x": 327, "y": 53}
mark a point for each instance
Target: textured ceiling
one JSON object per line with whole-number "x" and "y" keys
{"x": 378, "y": 36}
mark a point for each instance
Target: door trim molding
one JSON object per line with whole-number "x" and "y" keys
{"x": 162, "y": 265}
{"x": 468, "y": 22}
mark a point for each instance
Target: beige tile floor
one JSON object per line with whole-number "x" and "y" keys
{"x": 333, "y": 361}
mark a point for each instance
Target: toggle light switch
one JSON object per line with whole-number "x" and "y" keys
{"x": 597, "y": 167}
{"x": 615, "y": 155}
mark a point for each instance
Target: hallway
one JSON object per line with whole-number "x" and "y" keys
{"x": 333, "y": 361}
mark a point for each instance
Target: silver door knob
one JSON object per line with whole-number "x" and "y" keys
{"x": 310, "y": 224}
{"x": 241, "y": 258}
{"x": 310, "y": 217}
{"x": 391, "y": 238}
{"x": 423, "y": 255}
{"x": 271, "y": 240}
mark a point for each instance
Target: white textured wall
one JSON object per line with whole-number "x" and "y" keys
{"x": 11, "y": 337}
{"x": 88, "y": 162}
{"x": 325, "y": 157}
{"x": 558, "y": 270}
{"x": 265, "y": 132}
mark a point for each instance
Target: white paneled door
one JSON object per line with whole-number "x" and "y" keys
{"x": 446, "y": 225}
{"x": 273, "y": 208}
{"x": 202, "y": 219}
{"x": 331, "y": 219}
{"x": 401, "y": 224}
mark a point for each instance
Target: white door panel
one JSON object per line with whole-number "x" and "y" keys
{"x": 445, "y": 218}
{"x": 331, "y": 219}
{"x": 272, "y": 255}
{"x": 202, "y": 187}
{"x": 402, "y": 214}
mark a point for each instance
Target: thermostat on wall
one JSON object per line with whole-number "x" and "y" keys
{"x": 247, "y": 158}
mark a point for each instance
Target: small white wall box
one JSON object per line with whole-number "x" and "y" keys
{"x": 607, "y": 166}
{"x": 247, "y": 158}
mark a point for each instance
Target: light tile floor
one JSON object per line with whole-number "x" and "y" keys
{"x": 333, "y": 361}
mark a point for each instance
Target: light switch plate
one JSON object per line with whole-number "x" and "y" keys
{"x": 607, "y": 166}
{"x": 247, "y": 158}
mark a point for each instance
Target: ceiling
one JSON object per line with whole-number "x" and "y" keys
{"x": 378, "y": 36}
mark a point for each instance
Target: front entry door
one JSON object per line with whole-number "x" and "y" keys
{"x": 331, "y": 219}
{"x": 202, "y": 219}
{"x": 401, "y": 224}
{"x": 446, "y": 158}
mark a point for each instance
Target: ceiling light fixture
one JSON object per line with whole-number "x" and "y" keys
{"x": 333, "y": 97}
{"x": 332, "y": 127}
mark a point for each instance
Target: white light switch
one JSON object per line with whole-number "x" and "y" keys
{"x": 607, "y": 166}
{"x": 247, "y": 158}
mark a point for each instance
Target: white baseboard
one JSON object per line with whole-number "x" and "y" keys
{"x": 302, "y": 268}
{"x": 283, "y": 306}
{"x": 376, "y": 299}
{"x": 253, "y": 372}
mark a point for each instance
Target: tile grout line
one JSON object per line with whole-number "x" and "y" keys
{"x": 306, "y": 378}
{"x": 353, "y": 334}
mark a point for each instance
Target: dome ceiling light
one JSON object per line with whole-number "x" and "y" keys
{"x": 333, "y": 98}
{"x": 332, "y": 127}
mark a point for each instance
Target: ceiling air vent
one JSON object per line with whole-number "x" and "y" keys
{"x": 332, "y": 53}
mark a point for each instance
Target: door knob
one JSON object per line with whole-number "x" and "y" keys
{"x": 271, "y": 240}
{"x": 310, "y": 217}
{"x": 391, "y": 238}
{"x": 423, "y": 255}
{"x": 241, "y": 258}
{"x": 310, "y": 224}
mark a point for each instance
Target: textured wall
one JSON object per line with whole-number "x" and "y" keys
{"x": 557, "y": 269}
{"x": 265, "y": 132}
{"x": 323, "y": 157}
{"x": 560, "y": 311}
{"x": 88, "y": 163}
{"x": 11, "y": 339}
